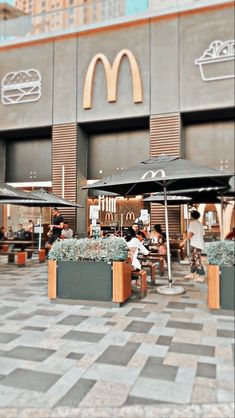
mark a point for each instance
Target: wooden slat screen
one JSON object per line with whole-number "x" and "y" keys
{"x": 165, "y": 138}
{"x": 64, "y": 153}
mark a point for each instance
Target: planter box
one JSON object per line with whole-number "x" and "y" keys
{"x": 227, "y": 287}
{"x": 94, "y": 281}
{"x": 220, "y": 287}
{"x": 84, "y": 280}
{"x": 213, "y": 299}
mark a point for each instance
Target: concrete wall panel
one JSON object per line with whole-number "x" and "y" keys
{"x": 135, "y": 39}
{"x": 164, "y": 66}
{"x": 65, "y": 80}
{"x": 31, "y": 114}
{"x": 197, "y": 32}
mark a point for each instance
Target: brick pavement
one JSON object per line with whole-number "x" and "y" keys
{"x": 164, "y": 356}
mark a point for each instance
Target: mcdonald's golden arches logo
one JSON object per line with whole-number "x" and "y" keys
{"x": 111, "y": 73}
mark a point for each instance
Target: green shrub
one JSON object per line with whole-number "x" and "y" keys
{"x": 221, "y": 253}
{"x": 86, "y": 249}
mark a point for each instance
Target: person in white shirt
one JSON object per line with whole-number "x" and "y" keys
{"x": 195, "y": 235}
{"x": 66, "y": 232}
{"x": 135, "y": 246}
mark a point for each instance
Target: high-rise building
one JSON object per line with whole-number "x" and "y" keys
{"x": 62, "y": 14}
{"x": 9, "y": 12}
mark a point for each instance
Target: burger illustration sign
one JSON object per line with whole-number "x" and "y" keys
{"x": 21, "y": 87}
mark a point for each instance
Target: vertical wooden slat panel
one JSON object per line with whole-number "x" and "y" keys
{"x": 165, "y": 135}
{"x": 64, "y": 153}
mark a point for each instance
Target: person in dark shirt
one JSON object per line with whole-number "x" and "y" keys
{"x": 20, "y": 234}
{"x": 56, "y": 227}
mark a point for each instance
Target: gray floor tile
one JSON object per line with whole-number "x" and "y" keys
{"x": 137, "y": 313}
{"x": 184, "y": 325}
{"x": 29, "y": 353}
{"x": 31, "y": 380}
{"x": 110, "y": 323}
{"x": 20, "y": 317}
{"x": 198, "y": 349}
{"x": 119, "y": 356}
{"x": 32, "y": 328}
{"x": 92, "y": 337}
{"x": 73, "y": 320}
{"x": 225, "y": 333}
{"x": 139, "y": 326}
{"x": 206, "y": 370}
{"x": 75, "y": 356}
{"x": 6, "y": 309}
{"x": 6, "y": 337}
{"x": 153, "y": 370}
{"x": 47, "y": 312}
{"x": 180, "y": 305}
{"x": 136, "y": 400}
{"x": 76, "y": 393}
{"x": 164, "y": 340}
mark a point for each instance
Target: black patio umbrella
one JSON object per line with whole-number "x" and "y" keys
{"x": 162, "y": 174}
{"x": 229, "y": 193}
{"x": 43, "y": 198}
{"x": 171, "y": 199}
{"x": 9, "y": 192}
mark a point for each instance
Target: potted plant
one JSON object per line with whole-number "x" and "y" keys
{"x": 221, "y": 275}
{"x": 89, "y": 269}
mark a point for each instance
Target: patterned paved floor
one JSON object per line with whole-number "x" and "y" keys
{"x": 164, "y": 356}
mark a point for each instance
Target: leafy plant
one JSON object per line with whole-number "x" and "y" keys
{"x": 221, "y": 253}
{"x": 86, "y": 249}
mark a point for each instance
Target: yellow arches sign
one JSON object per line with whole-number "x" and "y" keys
{"x": 111, "y": 73}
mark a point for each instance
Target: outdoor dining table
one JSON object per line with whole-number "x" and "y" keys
{"x": 14, "y": 242}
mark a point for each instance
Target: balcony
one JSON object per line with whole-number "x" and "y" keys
{"x": 91, "y": 15}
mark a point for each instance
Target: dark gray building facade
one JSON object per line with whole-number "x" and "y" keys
{"x": 91, "y": 102}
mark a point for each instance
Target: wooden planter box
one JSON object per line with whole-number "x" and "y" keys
{"x": 94, "y": 281}
{"x": 220, "y": 287}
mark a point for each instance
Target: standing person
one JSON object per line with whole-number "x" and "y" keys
{"x": 56, "y": 227}
{"x": 195, "y": 235}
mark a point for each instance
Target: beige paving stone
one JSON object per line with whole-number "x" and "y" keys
{"x": 209, "y": 330}
{"x": 65, "y": 412}
{"x": 106, "y": 394}
{"x": 35, "y": 413}
{"x": 224, "y": 352}
{"x": 138, "y": 361}
{"x": 226, "y": 385}
{"x": 202, "y": 393}
{"x": 205, "y": 381}
{"x": 181, "y": 360}
{"x": 86, "y": 361}
{"x": 193, "y": 337}
{"x": 8, "y": 413}
{"x": 182, "y": 315}
{"x": 144, "y": 338}
{"x": 136, "y": 411}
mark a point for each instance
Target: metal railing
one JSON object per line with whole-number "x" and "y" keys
{"x": 89, "y": 15}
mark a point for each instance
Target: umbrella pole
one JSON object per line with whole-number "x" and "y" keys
{"x": 222, "y": 219}
{"x": 167, "y": 240}
{"x": 168, "y": 289}
{"x": 40, "y": 231}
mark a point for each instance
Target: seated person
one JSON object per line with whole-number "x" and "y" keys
{"x": 20, "y": 234}
{"x": 2, "y": 233}
{"x": 66, "y": 232}
{"x": 10, "y": 234}
{"x": 156, "y": 234}
{"x": 135, "y": 246}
